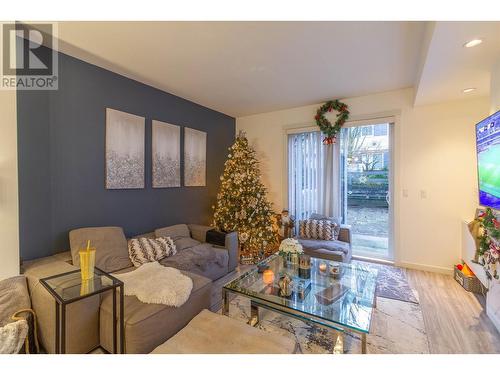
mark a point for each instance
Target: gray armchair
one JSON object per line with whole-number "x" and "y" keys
{"x": 337, "y": 250}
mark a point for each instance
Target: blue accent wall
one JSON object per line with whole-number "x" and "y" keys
{"x": 61, "y": 147}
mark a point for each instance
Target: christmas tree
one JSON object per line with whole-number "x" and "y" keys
{"x": 242, "y": 205}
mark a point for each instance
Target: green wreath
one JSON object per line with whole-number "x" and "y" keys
{"x": 326, "y": 126}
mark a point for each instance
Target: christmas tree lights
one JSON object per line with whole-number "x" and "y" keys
{"x": 242, "y": 204}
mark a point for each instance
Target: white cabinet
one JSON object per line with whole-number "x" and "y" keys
{"x": 493, "y": 303}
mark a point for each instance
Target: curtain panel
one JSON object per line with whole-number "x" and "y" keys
{"x": 313, "y": 176}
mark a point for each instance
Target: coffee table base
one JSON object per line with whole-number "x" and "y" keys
{"x": 254, "y": 314}
{"x": 254, "y": 320}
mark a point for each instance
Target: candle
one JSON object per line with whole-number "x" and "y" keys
{"x": 268, "y": 277}
{"x": 322, "y": 267}
{"x": 335, "y": 269}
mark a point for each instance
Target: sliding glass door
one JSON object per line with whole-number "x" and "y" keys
{"x": 350, "y": 181}
{"x": 365, "y": 177}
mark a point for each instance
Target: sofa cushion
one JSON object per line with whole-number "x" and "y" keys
{"x": 311, "y": 244}
{"x": 337, "y": 256}
{"x": 182, "y": 243}
{"x": 149, "y": 325}
{"x": 110, "y": 243}
{"x": 199, "y": 232}
{"x": 211, "y": 333}
{"x": 145, "y": 235}
{"x": 173, "y": 231}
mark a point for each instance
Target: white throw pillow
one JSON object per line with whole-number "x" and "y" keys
{"x": 145, "y": 250}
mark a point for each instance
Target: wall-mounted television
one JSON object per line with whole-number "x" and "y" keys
{"x": 488, "y": 160}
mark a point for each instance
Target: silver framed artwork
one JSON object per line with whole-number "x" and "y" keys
{"x": 195, "y": 156}
{"x": 124, "y": 150}
{"x": 166, "y": 155}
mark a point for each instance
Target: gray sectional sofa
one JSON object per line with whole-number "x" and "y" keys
{"x": 89, "y": 322}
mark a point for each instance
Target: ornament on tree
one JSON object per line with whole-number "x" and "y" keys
{"x": 242, "y": 205}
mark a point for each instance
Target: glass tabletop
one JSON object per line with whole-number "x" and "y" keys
{"x": 345, "y": 300}
{"x": 70, "y": 286}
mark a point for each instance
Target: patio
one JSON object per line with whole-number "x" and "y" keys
{"x": 370, "y": 235}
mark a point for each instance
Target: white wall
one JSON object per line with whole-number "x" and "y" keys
{"x": 495, "y": 88}
{"x": 434, "y": 151}
{"x": 9, "y": 229}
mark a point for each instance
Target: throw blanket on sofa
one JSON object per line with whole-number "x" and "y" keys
{"x": 13, "y": 336}
{"x": 199, "y": 256}
{"x": 154, "y": 283}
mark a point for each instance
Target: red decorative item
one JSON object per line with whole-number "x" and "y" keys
{"x": 329, "y": 140}
{"x": 327, "y": 128}
{"x": 460, "y": 267}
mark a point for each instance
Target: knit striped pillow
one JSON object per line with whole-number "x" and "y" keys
{"x": 144, "y": 250}
{"x": 319, "y": 229}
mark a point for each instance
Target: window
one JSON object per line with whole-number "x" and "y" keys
{"x": 378, "y": 161}
{"x": 380, "y": 130}
{"x": 386, "y": 160}
{"x": 367, "y": 130}
{"x": 371, "y": 161}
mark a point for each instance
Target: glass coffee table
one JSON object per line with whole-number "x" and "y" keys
{"x": 344, "y": 303}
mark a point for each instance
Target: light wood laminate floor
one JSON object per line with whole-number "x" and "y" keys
{"x": 455, "y": 319}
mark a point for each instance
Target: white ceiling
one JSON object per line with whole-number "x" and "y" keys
{"x": 449, "y": 67}
{"x": 243, "y": 68}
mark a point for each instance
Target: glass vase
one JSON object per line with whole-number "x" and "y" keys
{"x": 290, "y": 259}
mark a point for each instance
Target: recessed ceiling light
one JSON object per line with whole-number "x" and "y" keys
{"x": 473, "y": 43}
{"x": 469, "y": 89}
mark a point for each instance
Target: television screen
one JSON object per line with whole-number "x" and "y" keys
{"x": 488, "y": 161}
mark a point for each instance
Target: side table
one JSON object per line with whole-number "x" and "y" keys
{"x": 69, "y": 287}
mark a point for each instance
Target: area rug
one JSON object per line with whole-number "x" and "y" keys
{"x": 391, "y": 282}
{"x": 397, "y": 328}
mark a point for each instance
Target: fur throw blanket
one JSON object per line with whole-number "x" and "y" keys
{"x": 154, "y": 283}
{"x": 13, "y": 336}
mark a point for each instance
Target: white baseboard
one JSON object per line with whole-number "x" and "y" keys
{"x": 373, "y": 260}
{"x": 426, "y": 267}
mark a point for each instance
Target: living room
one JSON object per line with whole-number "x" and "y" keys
{"x": 250, "y": 185}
